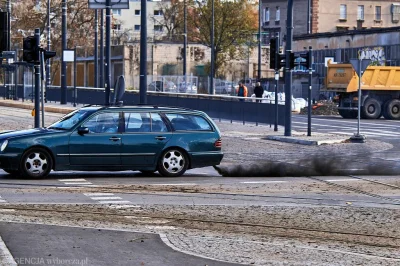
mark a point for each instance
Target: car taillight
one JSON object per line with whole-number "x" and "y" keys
{"x": 218, "y": 144}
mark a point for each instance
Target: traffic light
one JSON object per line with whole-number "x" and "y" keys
{"x": 48, "y": 54}
{"x": 305, "y": 60}
{"x": 272, "y": 52}
{"x": 4, "y": 32}
{"x": 31, "y": 50}
{"x": 277, "y": 60}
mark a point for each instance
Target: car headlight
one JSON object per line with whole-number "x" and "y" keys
{"x": 4, "y": 145}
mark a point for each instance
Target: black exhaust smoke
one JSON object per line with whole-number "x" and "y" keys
{"x": 314, "y": 165}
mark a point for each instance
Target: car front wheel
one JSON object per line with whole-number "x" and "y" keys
{"x": 173, "y": 163}
{"x": 36, "y": 163}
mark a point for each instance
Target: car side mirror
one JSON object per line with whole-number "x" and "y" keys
{"x": 83, "y": 130}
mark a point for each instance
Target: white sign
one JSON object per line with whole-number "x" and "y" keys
{"x": 115, "y": 4}
{"x": 68, "y": 55}
{"x": 327, "y": 59}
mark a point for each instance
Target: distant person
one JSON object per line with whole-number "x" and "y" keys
{"x": 242, "y": 91}
{"x": 258, "y": 91}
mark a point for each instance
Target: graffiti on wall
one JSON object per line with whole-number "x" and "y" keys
{"x": 376, "y": 54}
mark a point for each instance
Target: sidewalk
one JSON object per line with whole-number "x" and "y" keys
{"x": 239, "y": 128}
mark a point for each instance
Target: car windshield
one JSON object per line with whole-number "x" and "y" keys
{"x": 70, "y": 120}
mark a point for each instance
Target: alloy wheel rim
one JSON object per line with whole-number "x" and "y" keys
{"x": 173, "y": 161}
{"x": 36, "y": 163}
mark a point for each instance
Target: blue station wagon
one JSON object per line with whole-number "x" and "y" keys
{"x": 97, "y": 138}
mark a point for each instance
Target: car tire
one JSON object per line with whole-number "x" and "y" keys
{"x": 371, "y": 109}
{"x": 173, "y": 163}
{"x": 392, "y": 109}
{"x": 36, "y": 163}
{"x": 11, "y": 172}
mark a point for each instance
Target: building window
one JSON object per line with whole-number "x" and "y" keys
{"x": 117, "y": 12}
{"x": 343, "y": 12}
{"x": 395, "y": 12}
{"x": 266, "y": 14}
{"x": 137, "y": 12}
{"x": 137, "y": 27}
{"x": 116, "y": 27}
{"x": 158, "y": 28}
{"x": 378, "y": 14}
{"x": 278, "y": 14}
{"x": 360, "y": 13}
{"x": 158, "y": 13}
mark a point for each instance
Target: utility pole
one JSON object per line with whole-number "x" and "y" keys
{"x": 96, "y": 47}
{"x": 48, "y": 62}
{"x": 212, "y": 49}
{"x": 259, "y": 41}
{"x": 184, "y": 39}
{"x": 108, "y": 54}
{"x": 143, "y": 53}
{"x": 64, "y": 47}
{"x": 101, "y": 48}
{"x": 288, "y": 70}
{"x": 37, "y": 80}
{"x": 9, "y": 25}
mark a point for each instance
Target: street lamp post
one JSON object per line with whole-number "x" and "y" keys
{"x": 64, "y": 47}
{"x": 184, "y": 39}
{"x": 9, "y": 25}
{"x": 259, "y": 41}
{"x": 48, "y": 64}
{"x": 212, "y": 49}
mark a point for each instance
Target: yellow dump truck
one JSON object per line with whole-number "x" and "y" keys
{"x": 380, "y": 90}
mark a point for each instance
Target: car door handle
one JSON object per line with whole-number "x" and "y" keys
{"x": 160, "y": 138}
{"x": 115, "y": 139}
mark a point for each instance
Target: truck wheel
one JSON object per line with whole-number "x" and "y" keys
{"x": 392, "y": 109}
{"x": 348, "y": 114}
{"x": 371, "y": 109}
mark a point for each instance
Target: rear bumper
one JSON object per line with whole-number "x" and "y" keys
{"x": 9, "y": 161}
{"x": 203, "y": 159}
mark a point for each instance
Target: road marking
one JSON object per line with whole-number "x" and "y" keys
{"x": 115, "y": 202}
{"x": 124, "y": 206}
{"x": 105, "y": 198}
{"x": 78, "y": 183}
{"x": 262, "y": 182}
{"x": 342, "y": 180}
{"x": 72, "y": 180}
{"x": 161, "y": 227}
{"x": 182, "y": 184}
{"x": 2, "y": 201}
{"x": 98, "y": 194}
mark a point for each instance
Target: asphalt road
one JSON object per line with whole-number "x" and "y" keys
{"x": 33, "y": 244}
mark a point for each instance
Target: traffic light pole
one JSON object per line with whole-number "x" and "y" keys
{"x": 108, "y": 54}
{"x": 37, "y": 83}
{"x": 64, "y": 47}
{"x": 276, "y": 82}
{"x": 288, "y": 71}
{"x": 309, "y": 89}
{"x": 143, "y": 53}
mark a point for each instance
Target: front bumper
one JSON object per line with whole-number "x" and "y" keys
{"x": 9, "y": 161}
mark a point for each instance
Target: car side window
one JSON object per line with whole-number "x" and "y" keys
{"x": 157, "y": 124}
{"x": 103, "y": 123}
{"x": 137, "y": 122}
{"x": 189, "y": 122}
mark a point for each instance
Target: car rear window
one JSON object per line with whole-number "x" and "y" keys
{"x": 189, "y": 122}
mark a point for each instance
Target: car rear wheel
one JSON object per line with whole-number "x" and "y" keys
{"x": 36, "y": 163}
{"x": 173, "y": 163}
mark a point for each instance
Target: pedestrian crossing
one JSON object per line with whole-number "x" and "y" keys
{"x": 80, "y": 182}
{"x": 113, "y": 201}
{"x": 388, "y": 129}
